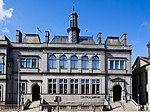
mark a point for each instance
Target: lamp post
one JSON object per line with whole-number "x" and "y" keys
{"x": 138, "y": 100}
{"x": 18, "y": 82}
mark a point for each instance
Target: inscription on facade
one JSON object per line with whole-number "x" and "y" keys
{"x": 90, "y": 97}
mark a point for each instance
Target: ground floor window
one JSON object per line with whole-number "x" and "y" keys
{"x": 63, "y": 86}
{"x": 22, "y": 87}
{"x": 84, "y": 86}
{"x": 95, "y": 86}
{"x": 51, "y": 86}
{"x": 74, "y": 86}
{"x": 1, "y": 92}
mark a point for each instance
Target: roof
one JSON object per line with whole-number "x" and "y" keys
{"x": 82, "y": 39}
{"x": 112, "y": 41}
{"x": 31, "y": 38}
{"x": 140, "y": 62}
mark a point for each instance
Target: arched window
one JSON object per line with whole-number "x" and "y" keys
{"x": 63, "y": 61}
{"x": 74, "y": 62}
{"x": 95, "y": 62}
{"x": 84, "y": 62}
{"x": 52, "y": 61}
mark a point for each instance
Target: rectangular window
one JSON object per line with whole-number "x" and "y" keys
{"x": 95, "y": 86}
{"x": 63, "y": 86}
{"x": 111, "y": 64}
{"x": 22, "y": 87}
{"x": 74, "y": 86}
{"x": 84, "y": 86}
{"x": 122, "y": 64}
{"x": 51, "y": 86}
{"x": 28, "y": 62}
{"x": 116, "y": 64}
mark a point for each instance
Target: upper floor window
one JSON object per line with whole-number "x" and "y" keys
{"x": 74, "y": 62}
{"x": 95, "y": 62}
{"x": 116, "y": 64}
{"x": 52, "y": 61}
{"x": 28, "y": 63}
{"x": 63, "y": 61}
{"x": 84, "y": 62}
{"x": 1, "y": 67}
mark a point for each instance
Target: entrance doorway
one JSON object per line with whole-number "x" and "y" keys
{"x": 117, "y": 93}
{"x": 35, "y": 92}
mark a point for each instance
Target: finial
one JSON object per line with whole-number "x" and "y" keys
{"x": 73, "y": 7}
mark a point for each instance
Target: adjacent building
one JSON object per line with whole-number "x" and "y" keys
{"x": 76, "y": 68}
{"x": 141, "y": 77}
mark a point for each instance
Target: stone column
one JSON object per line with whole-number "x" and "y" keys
{"x": 57, "y": 86}
{"x": 79, "y": 86}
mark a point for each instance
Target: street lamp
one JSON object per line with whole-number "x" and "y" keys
{"x": 18, "y": 81}
{"x": 138, "y": 99}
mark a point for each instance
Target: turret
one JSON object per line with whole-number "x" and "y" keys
{"x": 73, "y": 30}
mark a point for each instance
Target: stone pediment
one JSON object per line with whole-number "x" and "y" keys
{"x": 117, "y": 80}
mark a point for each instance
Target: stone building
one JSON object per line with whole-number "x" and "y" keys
{"x": 141, "y": 84}
{"x": 76, "y": 68}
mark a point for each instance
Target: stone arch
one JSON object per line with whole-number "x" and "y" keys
{"x": 117, "y": 90}
{"x": 35, "y": 92}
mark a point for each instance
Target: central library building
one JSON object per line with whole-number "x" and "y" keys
{"x": 83, "y": 72}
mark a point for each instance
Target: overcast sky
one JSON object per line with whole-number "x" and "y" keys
{"x": 111, "y": 17}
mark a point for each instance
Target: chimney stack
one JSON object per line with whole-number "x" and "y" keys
{"x": 47, "y": 36}
{"x": 124, "y": 39}
{"x": 99, "y": 38}
{"x": 18, "y": 36}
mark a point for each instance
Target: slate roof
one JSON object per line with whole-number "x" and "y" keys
{"x": 82, "y": 39}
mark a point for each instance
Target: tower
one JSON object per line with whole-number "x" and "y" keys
{"x": 73, "y": 30}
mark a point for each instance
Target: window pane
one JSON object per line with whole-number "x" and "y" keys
{"x": 33, "y": 63}
{"x": 1, "y": 67}
{"x": 74, "y": 62}
{"x": 111, "y": 64}
{"x": 72, "y": 88}
{"x": 95, "y": 62}
{"x": 116, "y": 64}
{"x": 93, "y": 88}
{"x": 54, "y": 88}
{"x": 28, "y": 63}
{"x": 121, "y": 64}
{"x": 63, "y": 62}
{"x": 23, "y": 63}
{"x": 84, "y": 62}
{"x": 76, "y": 88}
{"x": 52, "y": 61}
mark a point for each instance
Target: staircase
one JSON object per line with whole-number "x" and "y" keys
{"x": 123, "y": 106}
{"x": 34, "y": 106}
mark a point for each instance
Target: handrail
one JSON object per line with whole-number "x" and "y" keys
{"x": 27, "y": 104}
